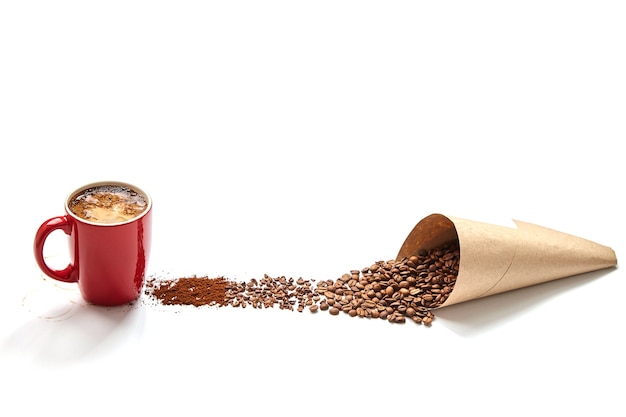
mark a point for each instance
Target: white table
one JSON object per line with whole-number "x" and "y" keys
{"x": 307, "y": 140}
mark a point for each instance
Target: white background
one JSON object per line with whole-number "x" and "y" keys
{"x": 307, "y": 139}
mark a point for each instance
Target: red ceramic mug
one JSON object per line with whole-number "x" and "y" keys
{"x": 108, "y": 250}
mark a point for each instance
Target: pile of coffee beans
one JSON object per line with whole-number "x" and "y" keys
{"x": 394, "y": 290}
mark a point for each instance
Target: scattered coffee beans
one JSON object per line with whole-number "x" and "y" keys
{"x": 394, "y": 290}
{"x": 287, "y": 293}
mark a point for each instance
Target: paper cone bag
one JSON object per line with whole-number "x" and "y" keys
{"x": 494, "y": 258}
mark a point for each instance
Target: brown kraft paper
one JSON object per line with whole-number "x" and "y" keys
{"x": 495, "y": 259}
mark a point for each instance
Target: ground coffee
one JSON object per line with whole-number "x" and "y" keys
{"x": 196, "y": 291}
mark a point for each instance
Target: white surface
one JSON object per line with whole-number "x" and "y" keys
{"x": 307, "y": 139}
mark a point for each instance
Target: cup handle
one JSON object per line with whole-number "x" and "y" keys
{"x": 56, "y": 223}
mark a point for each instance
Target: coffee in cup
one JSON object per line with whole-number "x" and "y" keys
{"x": 107, "y": 204}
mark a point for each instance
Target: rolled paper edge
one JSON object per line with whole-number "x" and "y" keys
{"x": 431, "y": 231}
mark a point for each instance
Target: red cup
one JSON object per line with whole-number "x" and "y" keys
{"x": 107, "y": 260}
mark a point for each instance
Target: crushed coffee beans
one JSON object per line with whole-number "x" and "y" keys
{"x": 395, "y": 290}
{"x": 197, "y": 291}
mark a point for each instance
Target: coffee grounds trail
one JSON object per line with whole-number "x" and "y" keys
{"x": 395, "y": 290}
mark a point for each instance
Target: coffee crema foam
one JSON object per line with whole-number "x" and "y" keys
{"x": 107, "y": 204}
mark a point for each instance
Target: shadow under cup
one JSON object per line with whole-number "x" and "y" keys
{"x": 108, "y": 255}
